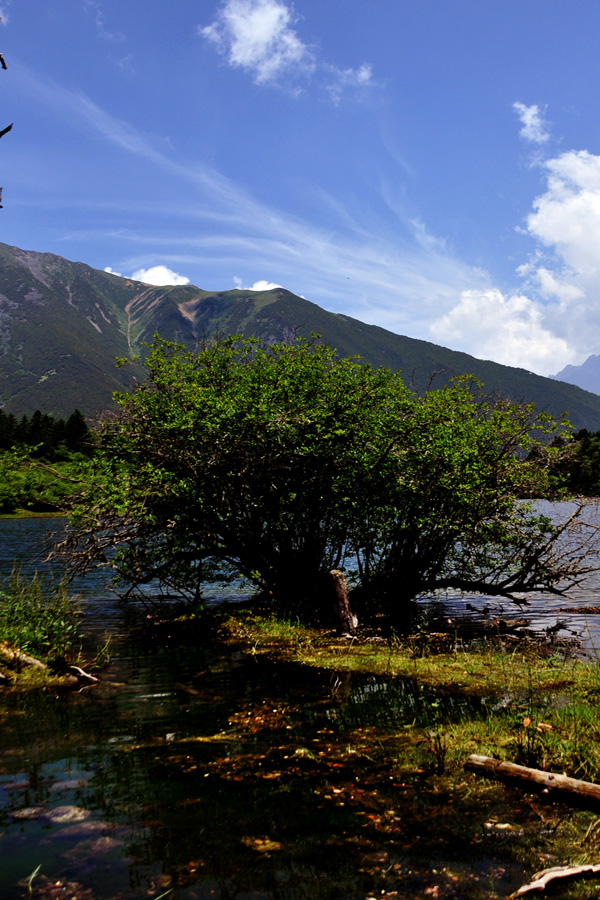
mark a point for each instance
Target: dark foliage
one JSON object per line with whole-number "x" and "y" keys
{"x": 44, "y": 437}
{"x": 584, "y": 467}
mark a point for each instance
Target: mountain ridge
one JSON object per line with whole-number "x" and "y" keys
{"x": 585, "y": 376}
{"x": 63, "y": 324}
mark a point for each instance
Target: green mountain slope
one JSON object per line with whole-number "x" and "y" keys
{"x": 62, "y": 324}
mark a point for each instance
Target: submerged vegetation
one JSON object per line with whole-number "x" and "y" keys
{"x": 529, "y": 701}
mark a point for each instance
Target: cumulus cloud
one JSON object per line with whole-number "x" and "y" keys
{"x": 257, "y": 286}
{"x": 554, "y": 318}
{"x": 565, "y": 270}
{"x": 567, "y": 215}
{"x": 264, "y": 286}
{"x": 533, "y": 124}
{"x": 507, "y": 329}
{"x": 259, "y": 37}
{"x": 159, "y": 276}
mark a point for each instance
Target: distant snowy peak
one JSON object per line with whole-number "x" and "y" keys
{"x": 586, "y": 376}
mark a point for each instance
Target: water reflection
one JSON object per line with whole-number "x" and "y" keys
{"x": 213, "y": 775}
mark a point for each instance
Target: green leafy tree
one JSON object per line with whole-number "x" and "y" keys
{"x": 449, "y": 510}
{"x": 280, "y": 463}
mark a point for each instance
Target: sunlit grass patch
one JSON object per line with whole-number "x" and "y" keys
{"x": 542, "y": 711}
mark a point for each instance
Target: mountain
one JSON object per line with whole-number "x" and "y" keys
{"x": 586, "y": 376}
{"x": 62, "y": 324}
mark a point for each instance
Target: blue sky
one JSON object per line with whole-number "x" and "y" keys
{"x": 431, "y": 166}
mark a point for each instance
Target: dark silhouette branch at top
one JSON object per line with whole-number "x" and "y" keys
{"x": 8, "y": 128}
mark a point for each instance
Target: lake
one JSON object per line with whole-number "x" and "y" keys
{"x": 196, "y": 772}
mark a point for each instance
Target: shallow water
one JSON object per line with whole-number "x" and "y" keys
{"x": 191, "y": 772}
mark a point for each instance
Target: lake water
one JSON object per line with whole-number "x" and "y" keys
{"x": 192, "y": 772}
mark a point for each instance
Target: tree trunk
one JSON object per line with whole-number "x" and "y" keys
{"x": 568, "y": 790}
{"x": 345, "y": 622}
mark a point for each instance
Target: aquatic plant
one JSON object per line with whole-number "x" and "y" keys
{"x": 37, "y": 616}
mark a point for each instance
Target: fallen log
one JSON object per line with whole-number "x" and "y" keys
{"x": 541, "y": 880}
{"x": 569, "y": 790}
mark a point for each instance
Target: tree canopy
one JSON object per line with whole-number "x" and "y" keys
{"x": 279, "y": 463}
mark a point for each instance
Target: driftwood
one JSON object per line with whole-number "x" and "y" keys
{"x": 82, "y": 675}
{"x": 12, "y": 655}
{"x": 542, "y": 879}
{"x": 562, "y": 787}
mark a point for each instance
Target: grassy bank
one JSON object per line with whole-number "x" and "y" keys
{"x": 537, "y": 707}
{"x": 38, "y": 629}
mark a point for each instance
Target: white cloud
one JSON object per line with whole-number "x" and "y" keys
{"x": 342, "y": 79}
{"x": 555, "y": 318}
{"x": 565, "y": 269}
{"x": 567, "y": 215}
{"x": 159, "y": 276}
{"x": 112, "y": 271}
{"x": 257, "y": 286}
{"x": 532, "y": 120}
{"x": 258, "y": 36}
{"x": 264, "y": 286}
{"x": 509, "y": 330}
{"x": 553, "y": 286}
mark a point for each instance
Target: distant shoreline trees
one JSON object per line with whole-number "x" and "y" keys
{"x": 44, "y": 436}
{"x": 40, "y": 459}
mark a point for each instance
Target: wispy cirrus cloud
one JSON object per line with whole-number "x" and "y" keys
{"x": 534, "y": 128}
{"x": 396, "y": 278}
{"x": 258, "y": 36}
{"x": 95, "y": 9}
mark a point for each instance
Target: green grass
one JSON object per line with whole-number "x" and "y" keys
{"x": 37, "y": 618}
{"x": 539, "y": 711}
